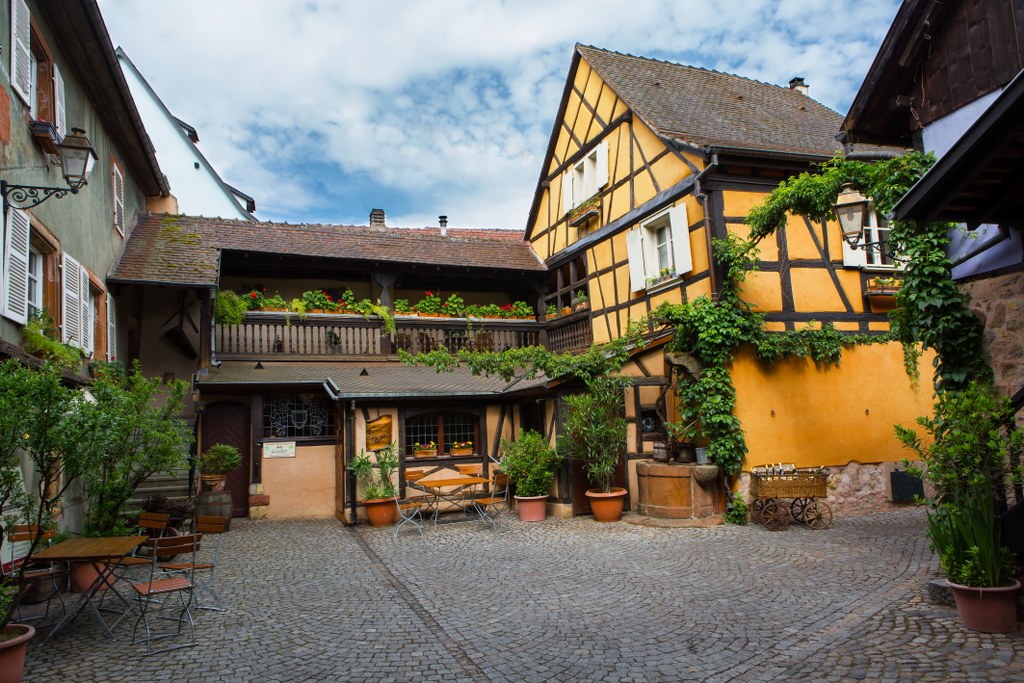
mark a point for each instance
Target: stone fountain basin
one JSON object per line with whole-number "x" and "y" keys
{"x": 705, "y": 474}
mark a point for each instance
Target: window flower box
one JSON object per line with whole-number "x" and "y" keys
{"x": 883, "y": 286}
{"x": 425, "y": 450}
{"x": 585, "y": 211}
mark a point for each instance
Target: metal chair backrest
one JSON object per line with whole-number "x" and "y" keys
{"x": 164, "y": 547}
{"x": 499, "y": 485}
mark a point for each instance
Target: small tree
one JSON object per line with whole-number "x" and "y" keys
{"x": 595, "y": 429}
{"x": 129, "y": 431}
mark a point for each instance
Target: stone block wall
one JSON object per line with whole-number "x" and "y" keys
{"x": 999, "y": 304}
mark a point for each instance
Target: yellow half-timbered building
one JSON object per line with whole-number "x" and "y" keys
{"x": 648, "y": 161}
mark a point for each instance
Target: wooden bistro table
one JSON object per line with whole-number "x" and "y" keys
{"x": 103, "y": 554}
{"x": 436, "y": 488}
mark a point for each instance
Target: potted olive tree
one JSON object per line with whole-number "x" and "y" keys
{"x": 378, "y": 490}
{"x": 215, "y": 463}
{"x": 595, "y": 433}
{"x": 531, "y": 465}
{"x": 967, "y": 459}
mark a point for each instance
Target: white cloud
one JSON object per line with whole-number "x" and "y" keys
{"x": 442, "y": 106}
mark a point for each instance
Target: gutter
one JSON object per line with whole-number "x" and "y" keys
{"x": 703, "y": 197}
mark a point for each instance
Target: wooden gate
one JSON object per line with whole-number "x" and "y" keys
{"x": 228, "y": 422}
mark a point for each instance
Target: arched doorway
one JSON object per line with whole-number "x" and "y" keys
{"x": 228, "y": 422}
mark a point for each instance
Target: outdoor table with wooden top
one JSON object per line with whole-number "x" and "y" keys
{"x": 102, "y": 553}
{"x": 436, "y": 487}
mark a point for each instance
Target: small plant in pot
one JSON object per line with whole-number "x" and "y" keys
{"x": 595, "y": 433}
{"x": 531, "y": 465}
{"x": 216, "y": 463}
{"x": 375, "y": 480}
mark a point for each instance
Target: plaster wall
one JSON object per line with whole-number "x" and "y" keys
{"x": 302, "y": 486}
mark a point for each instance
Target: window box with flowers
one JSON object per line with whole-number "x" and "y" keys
{"x": 425, "y": 450}
{"x": 580, "y": 301}
{"x": 402, "y": 307}
{"x": 429, "y": 306}
{"x": 585, "y": 211}
{"x": 884, "y": 285}
{"x": 274, "y": 303}
{"x": 462, "y": 448}
{"x": 318, "y": 301}
{"x": 453, "y": 306}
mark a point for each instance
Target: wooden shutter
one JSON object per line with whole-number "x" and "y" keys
{"x": 21, "y": 50}
{"x": 602, "y": 165}
{"x": 15, "y": 300}
{"x": 681, "y": 256}
{"x": 111, "y": 328}
{"x": 85, "y": 301}
{"x": 71, "y": 320}
{"x": 635, "y": 253}
{"x": 118, "y": 199}
{"x": 567, "y": 191}
{"x": 59, "y": 113}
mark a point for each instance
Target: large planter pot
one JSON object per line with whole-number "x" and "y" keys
{"x": 83, "y": 575}
{"x": 12, "y": 651}
{"x": 532, "y": 508}
{"x": 988, "y": 610}
{"x": 607, "y": 507}
{"x": 213, "y": 482}
{"x": 381, "y": 511}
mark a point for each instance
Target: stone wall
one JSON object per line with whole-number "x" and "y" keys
{"x": 999, "y": 304}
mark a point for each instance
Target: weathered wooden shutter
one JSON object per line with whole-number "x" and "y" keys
{"x": 21, "y": 50}
{"x": 71, "y": 321}
{"x": 681, "y": 255}
{"x": 118, "y": 199}
{"x": 59, "y": 113}
{"x": 16, "y": 247}
{"x": 635, "y": 253}
{"x": 111, "y": 328}
{"x": 567, "y": 191}
{"x": 602, "y": 165}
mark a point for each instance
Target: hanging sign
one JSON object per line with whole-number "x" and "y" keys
{"x": 378, "y": 433}
{"x": 279, "y": 449}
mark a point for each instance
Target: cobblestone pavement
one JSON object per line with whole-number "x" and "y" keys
{"x": 562, "y": 600}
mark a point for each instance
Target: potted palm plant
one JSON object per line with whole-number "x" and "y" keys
{"x": 531, "y": 465}
{"x": 595, "y": 433}
{"x": 374, "y": 475}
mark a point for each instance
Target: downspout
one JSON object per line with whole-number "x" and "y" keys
{"x": 699, "y": 191}
{"x": 350, "y": 454}
{"x": 213, "y": 330}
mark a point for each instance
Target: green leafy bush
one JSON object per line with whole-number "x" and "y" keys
{"x": 965, "y": 534}
{"x": 531, "y": 464}
{"x": 40, "y": 338}
{"x": 229, "y": 308}
{"x": 220, "y": 458}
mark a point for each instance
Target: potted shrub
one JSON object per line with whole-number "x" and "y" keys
{"x": 595, "y": 434}
{"x": 216, "y": 463}
{"x": 318, "y": 301}
{"x": 523, "y": 310}
{"x": 531, "y": 465}
{"x": 274, "y": 303}
{"x": 580, "y": 301}
{"x": 402, "y": 307}
{"x": 967, "y": 459}
{"x": 453, "y": 305}
{"x": 374, "y": 475}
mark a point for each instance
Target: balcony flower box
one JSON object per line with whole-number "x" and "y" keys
{"x": 462, "y": 451}
{"x": 883, "y": 286}
{"x": 585, "y": 211}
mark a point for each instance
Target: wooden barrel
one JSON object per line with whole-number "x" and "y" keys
{"x": 215, "y": 503}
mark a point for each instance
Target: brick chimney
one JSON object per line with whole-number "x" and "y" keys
{"x": 377, "y": 218}
{"x": 797, "y": 83}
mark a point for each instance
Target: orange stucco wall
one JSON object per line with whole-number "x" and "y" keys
{"x": 302, "y": 486}
{"x": 796, "y": 412}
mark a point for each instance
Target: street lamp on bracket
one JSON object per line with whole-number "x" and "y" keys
{"x": 851, "y": 208}
{"x": 76, "y": 159}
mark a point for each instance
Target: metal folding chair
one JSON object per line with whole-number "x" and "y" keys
{"x": 205, "y": 524}
{"x": 45, "y": 576}
{"x": 410, "y": 512}
{"x": 155, "y": 594}
{"x": 493, "y": 504}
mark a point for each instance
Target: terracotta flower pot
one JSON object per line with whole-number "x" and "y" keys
{"x": 381, "y": 511}
{"x": 83, "y": 575}
{"x": 12, "y": 651}
{"x": 988, "y": 610}
{"x": 532, "y": 508}
{"x": 607, "y": 507}
{"x": 213, "y": 482}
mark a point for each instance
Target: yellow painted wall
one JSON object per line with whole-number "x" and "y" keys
{"x": 302, "y": 486}
{"x": 796, "y": 412}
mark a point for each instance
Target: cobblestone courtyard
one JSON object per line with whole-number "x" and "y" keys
{"x": 562, "y": 600}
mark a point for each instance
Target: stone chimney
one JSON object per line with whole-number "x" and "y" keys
{"x": 443, "y": 222}
{"x": 377, "y": 218}
{"x": 797, "y": 83}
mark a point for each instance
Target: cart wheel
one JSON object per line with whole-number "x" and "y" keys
{"x": 774, "y": 517}
{"x": 757, "y": 506}
{"x": 797, "y": 508}
{"x": 818, "y": 515}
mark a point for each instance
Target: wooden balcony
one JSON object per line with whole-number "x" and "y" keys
{"x": 327, "y": 336}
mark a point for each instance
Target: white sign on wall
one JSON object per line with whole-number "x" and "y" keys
{"x": 279, "y": 449}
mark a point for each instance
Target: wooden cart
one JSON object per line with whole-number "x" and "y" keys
{"x": 803, "y": 488}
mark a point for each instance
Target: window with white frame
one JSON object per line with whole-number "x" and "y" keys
{"x": 585, "y": 177}
{"x": 659, "y": 248}
{"x": 35, "y": 282}
{"x": 875, "y": 256}
{"x": 35, "y": 76}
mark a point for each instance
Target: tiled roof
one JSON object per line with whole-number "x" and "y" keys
{"x": 704, "y": 107}
{"x": 382, "y": 379}
{"x": 185, "y": 250}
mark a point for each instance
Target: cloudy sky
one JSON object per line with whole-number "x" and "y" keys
{"x": 323, "y": 110}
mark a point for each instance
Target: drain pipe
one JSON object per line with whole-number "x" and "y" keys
{"x": 703, "y": 197}
{"x": 350, "y": 454}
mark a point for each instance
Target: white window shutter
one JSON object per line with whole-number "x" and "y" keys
{"x": 111, "y": 328}
{"x": 60, "y": 118}
{"x": 21, "y": 50}
{"x": 567, "y": 190}
{"x": 602, "y": 165}
{"x": 72, "y": 301}
{"x": 118, "y": 199}
{"x": 854, "y": 258}
{"x": 15, "y": 270}
{"x": 681, "y": 256}
{"x": 85, "y": 301}
{"x": 635, "y": 252}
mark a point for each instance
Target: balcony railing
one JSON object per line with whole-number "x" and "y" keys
{"x": 289, "y": 337}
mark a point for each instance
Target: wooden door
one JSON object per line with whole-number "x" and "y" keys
{"x": 228, "y": 422}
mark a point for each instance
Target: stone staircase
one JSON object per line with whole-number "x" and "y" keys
{"x": 172, "y": 486}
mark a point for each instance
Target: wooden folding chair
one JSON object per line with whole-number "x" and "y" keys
{"x": 150, "y": 524}
{"x": 154, "y": 594}
{"x": 493, "y": 503}
{"x": 46, "y": 576}
{"x": 205, "y": 524}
